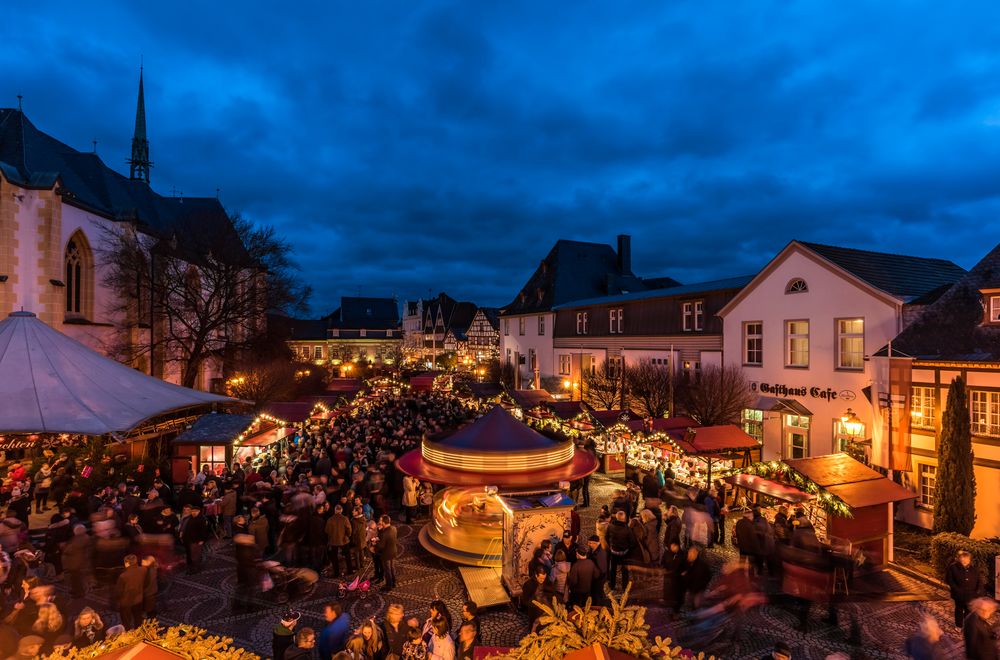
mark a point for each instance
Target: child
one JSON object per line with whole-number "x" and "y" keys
{"x": 414, "y": 648}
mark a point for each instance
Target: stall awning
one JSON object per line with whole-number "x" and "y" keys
{"x": 718, "y": 439}
{"x": 565, "y": 410}
{"x": 267, "y": 437}
{"x": 770, "y": 488}
{"x": 289, "y": 411}
{"x": 870, "y": 493}
{"x": 774, "y": 404}
{"x": 527, "y": 399}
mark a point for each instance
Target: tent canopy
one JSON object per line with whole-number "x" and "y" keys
{"x": 54, "y": 384}
{"x": 497, "y": 431}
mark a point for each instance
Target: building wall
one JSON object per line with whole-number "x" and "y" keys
{"x": 828, "y": 391}
{"x": 512, "y": 343}
{"x": 985, "y": 448}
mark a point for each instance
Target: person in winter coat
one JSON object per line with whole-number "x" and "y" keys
{"x": 672, "y": 527}
{"x": 980, "y": 639}
{"x": 88, "y": 628}
{"x": 673, "y": 563}
{"x": 560, "y": 571}
{"x": 194, "y": 536}
{"x": 305, "y": 640}
{"x": 77, "y": 560}
{"x": 746, "y": 539}
{"x": 765, "y": 541}
{"x": 358, "y": 537}
{"x": 580, "y": 581}
{"x": 387, "y": 550}
{"x": 599, "y": 556}
{"x": 651, "y": 537}
{"x": 965, "y": 583}
{"x": 411, "y": 487}
{"x": 129, "y": 591}
{"x": 151, "y": 587}
{"x": 338, "y": 537}
{"x": 620, "y": 544}
{"x": 696, "y": 576}
{"x": 259, "y": 529}
{"x": 928, "y": 643}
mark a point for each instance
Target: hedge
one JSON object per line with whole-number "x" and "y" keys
{"x": 944, "y": 546}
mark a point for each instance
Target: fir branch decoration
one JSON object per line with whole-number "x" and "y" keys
{"x": 779, "y": 471}
{"x": 185, "y": 640}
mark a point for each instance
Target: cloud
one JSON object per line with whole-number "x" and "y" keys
{"x": 445, "y": 146}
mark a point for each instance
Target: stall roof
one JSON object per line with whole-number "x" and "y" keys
{"x": 267, "y": 437}
{"x": 661, "y": 424}
{"x": 609, "y": 418}
{"x": 774, "y": 489}
{"x": 344, "y": 385}
{"x": 484, "y": 390}
{"x": 565, "y": 409}
{"x": 528, "y": 399}
{"x": 54, "y": 384}
{"x": 716, "y": 439}
{"x": 214, "y": 428}
{"x": 850, "y": 480}
{"x": 289, "y": 411}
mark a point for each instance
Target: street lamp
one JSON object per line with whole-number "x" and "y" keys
{"x": 852, "y": 423}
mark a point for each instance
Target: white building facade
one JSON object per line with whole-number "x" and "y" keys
{"x": 801, "y": 331}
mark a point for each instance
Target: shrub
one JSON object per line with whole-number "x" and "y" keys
{"x": 945, "y": 545}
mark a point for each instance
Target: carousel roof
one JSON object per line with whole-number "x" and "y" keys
{"x": 497, "y": 431}
{"x": 55, "y": 384}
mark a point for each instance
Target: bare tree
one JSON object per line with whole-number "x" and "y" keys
{"x": 203, "y": 291}
{"x": 650, "y": 387}
{"x": 604, "y": 387}
{"x": 263, "y": 382}
{"x": 717, "y": 396}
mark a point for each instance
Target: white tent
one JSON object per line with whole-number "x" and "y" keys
{"x": 50, "y": 383}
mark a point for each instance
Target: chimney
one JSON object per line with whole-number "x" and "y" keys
{"x": 624, "y": 254}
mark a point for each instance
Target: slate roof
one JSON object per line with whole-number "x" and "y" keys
{"x": 660, "y": 282}
{"x": 952, "y": 327}
{"x": 573, "y": 270}
{"x": 732, "y": 283}
{"x": 492, "y": 315}
{"x": 308, "y": 329}
{"x": 366, "y": 313}
{"x": 214, "y": 428}
{"x": 900, "y": 275}
{"x": 461, "y": 318}
{"x": 34, "y": 159}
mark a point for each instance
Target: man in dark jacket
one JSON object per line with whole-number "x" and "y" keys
{"x": 580, "y": 581}
{"x": 338, "y": 537}
{"x": 194, "y": 536}
{"x": 696, "y": 575}
{"x": 746, "y": 539}
{"x": 599, "y": 556}
{"x": 387, "y": 551}
{"x": 78, "y": 560}
{"x": 673, "y": 527}
{"x": 674, "y": 563}
{"x": 129, "y": 591}
{"x": 965, "y": 583}
{"x": 980, "y": 640}
{"x": 620, "y": 542}
{"x": 305, "y": 640}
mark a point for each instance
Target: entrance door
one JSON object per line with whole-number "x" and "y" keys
{"x": 796, "y": 434}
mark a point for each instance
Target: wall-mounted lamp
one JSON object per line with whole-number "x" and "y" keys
{"x": 3, "y": 278}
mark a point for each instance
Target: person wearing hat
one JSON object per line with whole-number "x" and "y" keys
{"x": 965, "y": 583}
{"x": 193, "y": 537}
{"x": 284, "y": 632}
{"x": 599, "y": 556}
{"x": 580, "y": 582}
{"x": 568, "y": 546}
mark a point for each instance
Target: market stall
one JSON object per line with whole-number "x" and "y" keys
{"x": 848, "y": 504}
{"x": 217, "y": 440}
{"x": 531, "y": 403}
{"x": 627, "y": 437}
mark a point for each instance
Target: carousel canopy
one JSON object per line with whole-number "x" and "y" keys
{"x": 54, "y": 384}
{"x": 497, "y": 431}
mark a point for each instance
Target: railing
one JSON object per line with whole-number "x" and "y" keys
{"x": 495, "y": 548}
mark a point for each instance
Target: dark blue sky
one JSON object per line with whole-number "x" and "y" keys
{"x": 407, "y": 146}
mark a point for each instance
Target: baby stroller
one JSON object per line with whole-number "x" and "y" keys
{"x": 287, "y": 583}
{"x": 361, "y": 584}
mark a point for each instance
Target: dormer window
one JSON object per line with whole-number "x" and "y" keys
{"x": 991, "y": 305}
{"x": 798, "y": 285}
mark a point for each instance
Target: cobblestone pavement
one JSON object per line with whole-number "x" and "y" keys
{"x": 204, "y": 600}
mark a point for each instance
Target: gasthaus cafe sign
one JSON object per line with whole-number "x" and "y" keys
{"x": 812, "y": 392}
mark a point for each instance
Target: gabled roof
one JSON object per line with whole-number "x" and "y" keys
{"x": 900, "y": 275}
{"x": 214, "y": 427}
{"x": 492, "y": 315}
{"x": 894, "y": 278}
{"x": 308, "y": 329}
{"x": 732, "y": 283}
{"x": 952, "y": 327}
{"x": 33, "y": 159}
{"x": 573, "y": 270}
{"x": 461, "y": 318}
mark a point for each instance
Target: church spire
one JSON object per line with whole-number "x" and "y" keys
{"x": 139, "y": 163}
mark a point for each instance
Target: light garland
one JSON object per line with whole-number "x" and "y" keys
{"x": 779, "y": 471}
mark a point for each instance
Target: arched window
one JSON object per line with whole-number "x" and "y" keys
{"x": 79, "y": 272}
{"x": 798, "y": 285}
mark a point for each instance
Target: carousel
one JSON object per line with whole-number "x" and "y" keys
{"x": 491, "y": 466}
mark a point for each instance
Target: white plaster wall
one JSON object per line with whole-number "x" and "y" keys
{"x": 829, "y": 297}
{"x": 547, "y": 366}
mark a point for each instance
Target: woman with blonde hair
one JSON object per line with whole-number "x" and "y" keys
{"x": 49, "y": 622}
{"x": 88, "y": 628}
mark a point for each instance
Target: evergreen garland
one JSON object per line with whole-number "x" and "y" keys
{"x": 779, "y": 471}
{"x": 185, "y": 640}
{"x": 955, "y": 485}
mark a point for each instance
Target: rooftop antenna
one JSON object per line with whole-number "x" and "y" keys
{"x": 95, "y": 146}
{"x": 19, "y": 99}
{"x": 217, "y": 193}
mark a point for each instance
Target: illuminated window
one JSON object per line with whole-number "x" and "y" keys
{"x": 994, "y": 309}
{"x": 214, "y": 456}
{"x": 699, "y": 315}
{"x": 565, "y": 365}
{"x": 753, "y": 423}
{"x": 615, "y": 317}
{"x": 922, "y": 407}
{"x": 851, "y": 344}
{"x": 582, "y": 321}
{"x": 687, "y": 312}
{"x": 796, "y": 343}
{"x": 317, "y": 352}
{"x": 926, "y": 482}
{"x": 753, "y": 343}
{"x": 615, "y": 366}
{"x": 986, "y": 413}
{"x": 796, "y": 436}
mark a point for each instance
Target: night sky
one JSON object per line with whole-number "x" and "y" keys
{"x": 403, "y": 147}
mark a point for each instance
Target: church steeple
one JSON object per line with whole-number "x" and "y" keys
{"x": 139, "y": 163}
